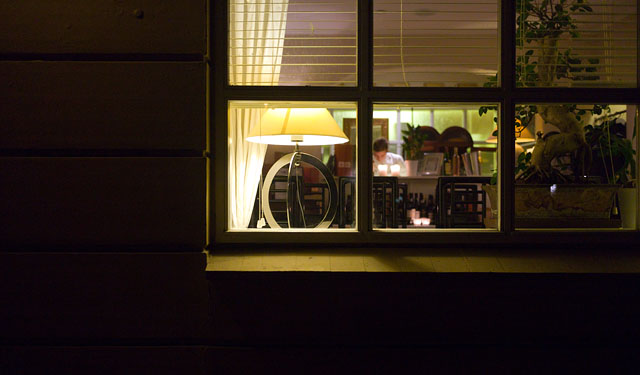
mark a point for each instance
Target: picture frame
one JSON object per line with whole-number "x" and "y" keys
{"x": 431, "y": 164}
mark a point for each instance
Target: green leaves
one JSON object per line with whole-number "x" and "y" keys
{"x": 492, "y": 81}
{"x": 484, "y": 109}
{"x": 523, "y": 165}
{"x": 613, "y": 153}
{"x": 597, "y": 109}
{"x": 413, "y": 140}
{"x": 539, "y": 21}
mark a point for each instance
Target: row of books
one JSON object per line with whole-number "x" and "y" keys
{"x": 471, "y": 163}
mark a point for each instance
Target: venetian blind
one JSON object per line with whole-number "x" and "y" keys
{"x": 314, "y": 42}
{"x": 599, "y": 48}
{"x": 435, "y": 43}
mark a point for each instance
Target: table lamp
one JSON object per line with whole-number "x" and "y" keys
{"x": 297, "y": 127}
{"x": 523, "y": 134}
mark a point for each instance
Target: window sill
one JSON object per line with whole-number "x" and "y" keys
{"x": 426, "y": 260}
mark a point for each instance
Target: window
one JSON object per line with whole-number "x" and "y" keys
{"x": 290, "y": 164}
{"x": 434, "y": 178}
{"x": 577, "y": 43}
{"x": 579, "y": 171}
{"x": 292, "y": 43}
{"x": 466, "y": 89}
{"x": 434, "y": 44}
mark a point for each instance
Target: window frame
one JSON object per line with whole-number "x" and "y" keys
{"x": 365, "y": 95}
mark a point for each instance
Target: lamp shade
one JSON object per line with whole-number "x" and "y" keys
{"x": 302, "y": 126}
{"x": 493, "y": 138}
{"x": 523, "y": 136}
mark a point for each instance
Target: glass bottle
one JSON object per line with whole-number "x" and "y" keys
{"x": 431, "y": 207}
{"x": 446, "y": 163}
{"x": 455, "y": 168}
{"x": 349, "y": 211}
{"x": 408, "y": 208}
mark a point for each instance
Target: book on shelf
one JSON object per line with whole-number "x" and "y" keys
{"x": 475, "y": 163}
{"x": 466, "y": 162}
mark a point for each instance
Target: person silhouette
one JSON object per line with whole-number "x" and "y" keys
{"x": 382, "y": 156}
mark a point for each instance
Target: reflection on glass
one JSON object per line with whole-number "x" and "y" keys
{"x": 284, "y": 162}
{"x": 435, "y": 176}
{"x": 579, "y": 171}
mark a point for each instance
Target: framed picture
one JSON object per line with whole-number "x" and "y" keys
{"x": 431, "y": 164}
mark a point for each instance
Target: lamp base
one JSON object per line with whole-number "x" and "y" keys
{"x": 296, "y": 157}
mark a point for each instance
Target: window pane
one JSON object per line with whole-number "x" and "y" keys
{"x": 272, "y": 186}
{"x": 292, "y": 43}
{"x": 435, "y": 177}
{"x": 580, "y": 171}
{"x": 576, "y": 44}
{"x": 435, "y": 43}
{"x": 444, "y": 118}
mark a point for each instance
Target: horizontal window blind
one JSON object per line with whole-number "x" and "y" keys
{"x": 594, "y": 45}
{"x": 293, "y": 43}
{"x": 435, "y": 43}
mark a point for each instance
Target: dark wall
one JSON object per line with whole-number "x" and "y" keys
{"x": 102, "y": 184}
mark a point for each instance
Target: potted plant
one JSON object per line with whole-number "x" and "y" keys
{"x": 552, "y": 181}
{"x": 614, "y": 161}
{"x": 413, "y": 139}
{"x": 574, "y": 181}
{"x": 612, "y": 153}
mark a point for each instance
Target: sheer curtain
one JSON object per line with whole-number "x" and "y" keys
{"x": 256, "y": 30}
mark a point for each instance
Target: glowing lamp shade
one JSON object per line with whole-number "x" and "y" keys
{"x": 302, "y": 126}
{"x": 523, "y": 136}
{"x": 297, "y": 127}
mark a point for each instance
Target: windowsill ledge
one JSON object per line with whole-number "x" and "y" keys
{"x": 408, "y": 260}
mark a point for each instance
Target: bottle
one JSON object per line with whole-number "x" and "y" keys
{"x": 446, "y": 162}
{"x": 422, "y": 207}
{"x": 431, "y": 207}
{"x": 455, "y": 168}
{"x": 399, "y": 202}
{"x": 409, "y": 207}
{"x": 412, "y": 207}
{"x": 349, "y": 211}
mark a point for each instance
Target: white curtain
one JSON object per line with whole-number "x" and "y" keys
{"x": 257, "y": 30}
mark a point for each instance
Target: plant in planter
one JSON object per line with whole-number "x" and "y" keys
{"x": 613, "y": 154}
{"x": 551, "y": 181}
{"x": 543, "y": 62}
{"x": 413, "y": 140}
{"x": 614, "y": 162}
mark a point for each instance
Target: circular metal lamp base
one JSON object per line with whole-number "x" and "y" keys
{"x": 329, "y": 215}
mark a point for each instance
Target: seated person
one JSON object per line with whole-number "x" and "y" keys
{"x": 381, "y": 156}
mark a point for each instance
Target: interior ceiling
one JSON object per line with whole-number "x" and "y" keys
{"x": 456, "y": 25}
{"x": 338, "y": 19}
{"x": 316, "y": 16}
